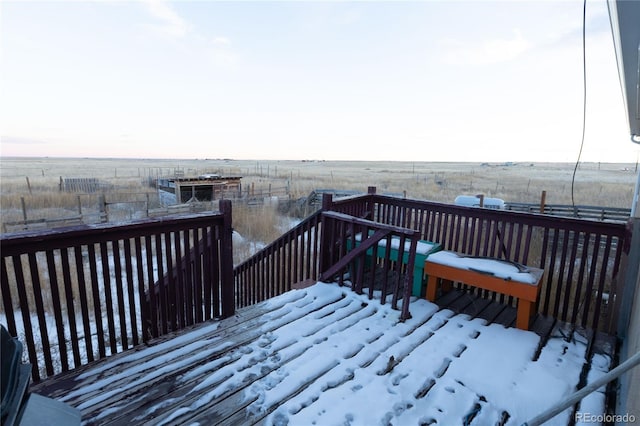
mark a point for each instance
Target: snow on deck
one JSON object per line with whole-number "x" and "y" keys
{"x": 324, "y": 355}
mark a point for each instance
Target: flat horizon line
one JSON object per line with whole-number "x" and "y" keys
{"x": 514, "y": 162}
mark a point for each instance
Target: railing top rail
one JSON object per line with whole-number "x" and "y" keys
{"x": 369, "y": 223}
{"x": 284, "y": 237}
{"x": 569, "y": 206}
{"x": 30, "y": 241}
{"x": 346, "y": 199}
{"x": 568, "y": 223}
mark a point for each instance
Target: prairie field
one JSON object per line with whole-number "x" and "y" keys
{"x": 31, "y": 186}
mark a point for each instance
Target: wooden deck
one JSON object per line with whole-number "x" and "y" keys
{"x": 469, "y": 304}
{"x": 241, "y": 370}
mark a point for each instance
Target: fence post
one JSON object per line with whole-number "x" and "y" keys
{"x": 543, "y": 200}
{"x": 371, "y": 208}
{"x": 102, "y": 206}
{"x": 24, "y": 211}
{"x": 226, "y": 260}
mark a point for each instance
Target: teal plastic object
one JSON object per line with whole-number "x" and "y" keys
{"x": 424, "y": 249}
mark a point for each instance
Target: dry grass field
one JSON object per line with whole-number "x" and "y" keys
{"x": 32, "y": 185}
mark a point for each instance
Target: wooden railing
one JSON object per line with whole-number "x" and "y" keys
{"x": 323, "y": 247}
{"x": 78, "y": 294}
{"x": 290, "y": 259}
{"x": 82, "y": 293}
{"x": 581, "y": 258}
{"x": 346, "y": 243}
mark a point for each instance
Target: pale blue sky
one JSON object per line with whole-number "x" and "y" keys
{"x": 418, "y": 81}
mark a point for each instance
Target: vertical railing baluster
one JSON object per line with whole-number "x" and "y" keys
{"x": 215, "y": 262}
{"x": 26, "y": 316}
{"x": 122, "y": 316}
{"x": 591, "y": 281}
{"x": 159, "y": 286}
{"x": 570, "y": 294}
{"x": 97, "y": 300}
{"x": 151, "y": 296}
{"x": 37, "y": 296}
{"x": 131, "y": 291}
{"x": 206, "y": 273}
{"x": 106, "y": 289}
{"x": 7, "y": 300}
{"x": 601, "y": 283}
{"x": 566, "y": 287}
{"x": 54, "y": 288}
{"x": 71, "y": 312}
{"x": 145, "y": 314}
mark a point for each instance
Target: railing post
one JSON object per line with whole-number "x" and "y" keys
{"x": 325, "y": 236}
{"x": 371, "y": 208}
{"x": 327, "y": 202}
{"x": 629, "y": 277}
{"x": 226, "y": 267}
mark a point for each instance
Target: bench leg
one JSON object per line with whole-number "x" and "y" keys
{"x": 432, "y": 287}
{"x": 524, "y": 314}
{"x": 447, "y": 285}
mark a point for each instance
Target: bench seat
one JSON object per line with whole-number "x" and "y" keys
{"x": 500, "y": 276}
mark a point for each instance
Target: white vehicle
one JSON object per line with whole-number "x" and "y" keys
{"x": 479, "y": 201}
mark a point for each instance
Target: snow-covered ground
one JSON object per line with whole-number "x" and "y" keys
{"x": 327, "y": 356}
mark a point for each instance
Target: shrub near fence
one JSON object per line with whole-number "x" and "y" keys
{"x": 98, "y": 279}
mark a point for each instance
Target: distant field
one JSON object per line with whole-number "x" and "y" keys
{"x": 29, "y": 187}
{"x": 603, "y": 184}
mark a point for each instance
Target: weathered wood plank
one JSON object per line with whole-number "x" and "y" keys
{"x": 246, "y": 318}
{"x": 213, "y": 396}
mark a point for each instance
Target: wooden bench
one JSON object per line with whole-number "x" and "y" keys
{"x": 497, "y": 275}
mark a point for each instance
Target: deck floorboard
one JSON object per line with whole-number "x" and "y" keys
{"x": 220, "y": 372}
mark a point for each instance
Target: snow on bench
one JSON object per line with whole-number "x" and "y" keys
{"x": 497, "y": 275}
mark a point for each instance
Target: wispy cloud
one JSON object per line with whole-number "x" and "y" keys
{"x": 170, "y": 22}
{"x": 16, "y": 140}
{"x": 221, "y": 41}
{"x": 222, "y": 52}
{"x": 486, "y": 52}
